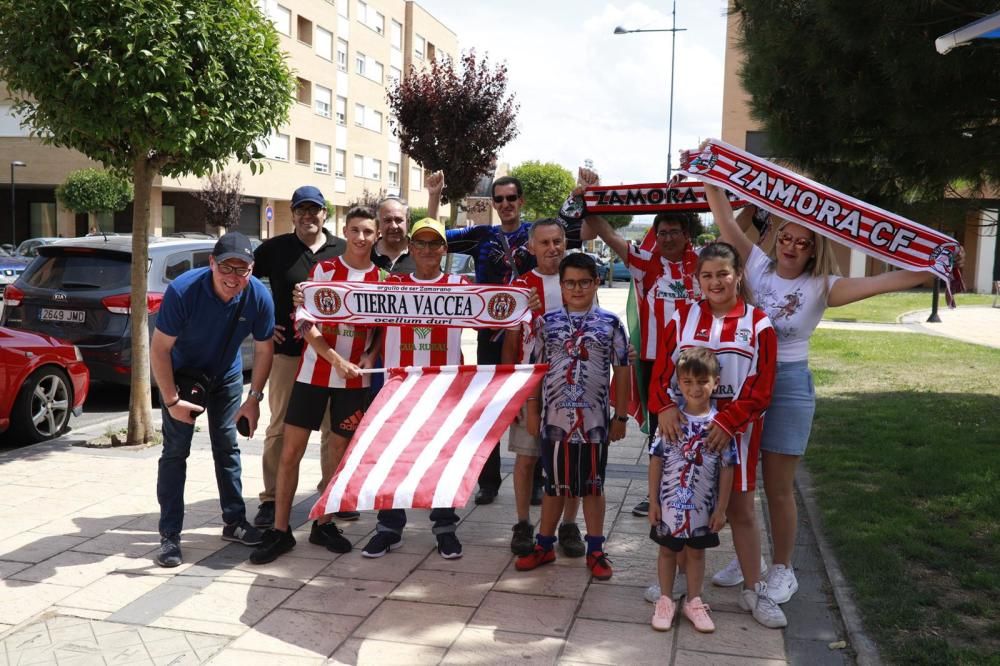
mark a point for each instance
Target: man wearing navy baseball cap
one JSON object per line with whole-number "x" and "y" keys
{"x": 287, "y": 260}
{"x": 204, "y": 316}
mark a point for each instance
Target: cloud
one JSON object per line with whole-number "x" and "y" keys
{"x": 587, "y": 93}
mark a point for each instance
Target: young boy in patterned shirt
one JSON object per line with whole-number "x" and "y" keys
{"x": 689, "y": 488}
{"x": 581, "y": 343}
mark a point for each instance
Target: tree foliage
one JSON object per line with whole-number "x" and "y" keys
{"x": 854, "y": 93}
{"x": 618, "y": 221}
{"x": 546, "y": 186}
{"x": 95, "y": 191}
{"x": 454, "y": 117}
{"x": 222, "y": 198}
{"x": 150, "y": 87}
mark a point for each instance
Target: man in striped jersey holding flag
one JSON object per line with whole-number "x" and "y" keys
{"x": 421, "y": 347}
{"x": 328, "y": 372}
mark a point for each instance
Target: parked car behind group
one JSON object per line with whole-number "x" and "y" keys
{"x": 44, "y": 380}
{"x": 11, "y": 268}
{"x": 79, "y": 290}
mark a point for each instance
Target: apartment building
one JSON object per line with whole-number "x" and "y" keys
{"x": 982, "y": 264}
{"x": 345, "y": 53}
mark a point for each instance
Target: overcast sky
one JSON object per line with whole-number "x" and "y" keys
{"x": 587, "y": 93}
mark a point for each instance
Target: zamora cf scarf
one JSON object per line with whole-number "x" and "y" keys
{"x": 869, "y": 229}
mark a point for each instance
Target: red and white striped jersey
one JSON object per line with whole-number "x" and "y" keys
{"x": 747, "y": 349}
{"x": 347, "y": 340}
{"x": 549, "y": 293}
{"x": 665, "y": 285}
{"x": 422, "y": 346}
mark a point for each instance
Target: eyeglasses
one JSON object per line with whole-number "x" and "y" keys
{"x": 425, "y": 244}
{"x": 226, "y": 269}
{"x": 510, "y": 198}
{"x": 303, "y": 211}
{"x": 799, "y": 243}
{"x": 572, "y": 285}
{"x": 669, "y": 233}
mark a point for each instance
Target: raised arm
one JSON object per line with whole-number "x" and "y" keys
{"x": 434, "y": 182}
{"x": 602, "y": 228}
{"x": 729, "y": 230}
{"x": 849, "y": 290}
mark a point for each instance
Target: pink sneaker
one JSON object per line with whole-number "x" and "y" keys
{"x": 663, "y": 614}
{"x": 696, "y": 611}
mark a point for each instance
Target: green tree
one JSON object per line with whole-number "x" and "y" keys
{"x": 854, "y": 93}
{"x": 618, "y": 221}
{"x": 546, "y": 186}
{"x": 94, "y": 191}
{"x": 454, "y": 118}
{"x": 148, "y": 88}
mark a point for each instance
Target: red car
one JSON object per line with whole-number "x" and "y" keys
{"x": 42, "y": 381}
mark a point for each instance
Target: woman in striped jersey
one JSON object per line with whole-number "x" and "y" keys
{"x": 742, "y": 338}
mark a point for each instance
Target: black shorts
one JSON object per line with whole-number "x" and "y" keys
{"x": 307, "y": 403}
{"x": 702, "y": 542}
{"x": 574, "y": 470}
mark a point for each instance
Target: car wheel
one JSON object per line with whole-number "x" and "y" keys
{"x": 43, "y": 406}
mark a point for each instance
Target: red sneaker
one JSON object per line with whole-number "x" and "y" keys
{"x": 599, "y": 565}
{"x": 535, "y": 559}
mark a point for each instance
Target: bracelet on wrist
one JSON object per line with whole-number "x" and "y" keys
{"x": 176, "y": 400}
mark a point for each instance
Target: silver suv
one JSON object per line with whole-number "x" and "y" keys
{"x": 79, "y": 290}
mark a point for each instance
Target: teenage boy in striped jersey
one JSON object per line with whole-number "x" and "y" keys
{"x": 421, "y": 346}
{"x": 328, "y": 372}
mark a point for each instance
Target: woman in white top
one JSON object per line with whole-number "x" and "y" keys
{"x": 793, "y": 284}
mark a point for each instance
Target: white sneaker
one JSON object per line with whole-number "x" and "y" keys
{"x": 652, "y": 593}
{"x": 731, "y": 574}
{"x": 765, "y": 611}
{"x": 781, "y": 583}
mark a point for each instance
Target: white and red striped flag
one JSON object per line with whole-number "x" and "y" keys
{"x": 426, "y": 436}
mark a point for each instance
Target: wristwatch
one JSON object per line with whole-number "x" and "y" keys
{"x": 257, "y": 394}
{"x": 621, "y": 417}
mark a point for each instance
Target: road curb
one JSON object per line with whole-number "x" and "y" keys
{"x": 864, "y": 647}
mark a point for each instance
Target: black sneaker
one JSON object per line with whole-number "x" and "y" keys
{"x": 641, "y": 509}
{"x": 347, "y": 515}
{"x": 485, "y": 496}
{"x": 380, "y": 544}
{"x": 571, "y": 541}
{"x": 449, "y": 547}
{"x": 275, "y": 542}
{"x": 170, "y": 552}
{"x": 331, "y": 536}
{"x": 265, "y": 515}
{"x": 523, "y": 541}
{"x": 242, "y": 532}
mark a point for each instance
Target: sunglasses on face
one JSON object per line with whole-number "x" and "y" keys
{"x": 226, "y": 269}
{"x": 799, "y": 243}
{"x": 510, "y": 198}
{"x": 303, "y": 211}
{"x": 427, "y": 244}
{"x": 573, "y": 285}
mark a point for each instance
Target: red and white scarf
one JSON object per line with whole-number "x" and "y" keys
{"x": 642, "y": 199}
{"x": 869, "y": 229}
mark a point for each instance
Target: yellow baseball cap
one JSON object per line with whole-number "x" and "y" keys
{"x": 428, "y": 223}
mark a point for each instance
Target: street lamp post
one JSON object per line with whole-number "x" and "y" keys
{"x": 13, "y": 214}
{"x": 673, "y": 50}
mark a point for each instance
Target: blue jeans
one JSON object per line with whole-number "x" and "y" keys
{"x": 223, "y": 403}
{"x": 394, "y": 520}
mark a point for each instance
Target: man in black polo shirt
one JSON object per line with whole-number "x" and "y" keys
{"x": 287, "y": 260}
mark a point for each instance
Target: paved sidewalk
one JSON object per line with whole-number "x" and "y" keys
{"x": 79, "y": 586}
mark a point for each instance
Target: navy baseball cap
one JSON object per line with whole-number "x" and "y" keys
{"x": 308, "y": 194}
{"x": 233, "y": 245}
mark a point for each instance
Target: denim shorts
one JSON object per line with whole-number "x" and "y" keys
{"x": 788, "y": 420}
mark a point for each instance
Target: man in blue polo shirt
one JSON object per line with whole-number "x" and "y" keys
{"x": 195, "y": 331}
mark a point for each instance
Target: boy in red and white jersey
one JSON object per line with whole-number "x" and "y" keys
{"x": 547, "y": 242}
{"x": 421, "y": 346}
{"x": 328, "y": 374}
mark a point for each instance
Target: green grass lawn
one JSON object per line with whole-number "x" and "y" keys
{"x": 905, "y": 455}
{"x": 887, "y": 307}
